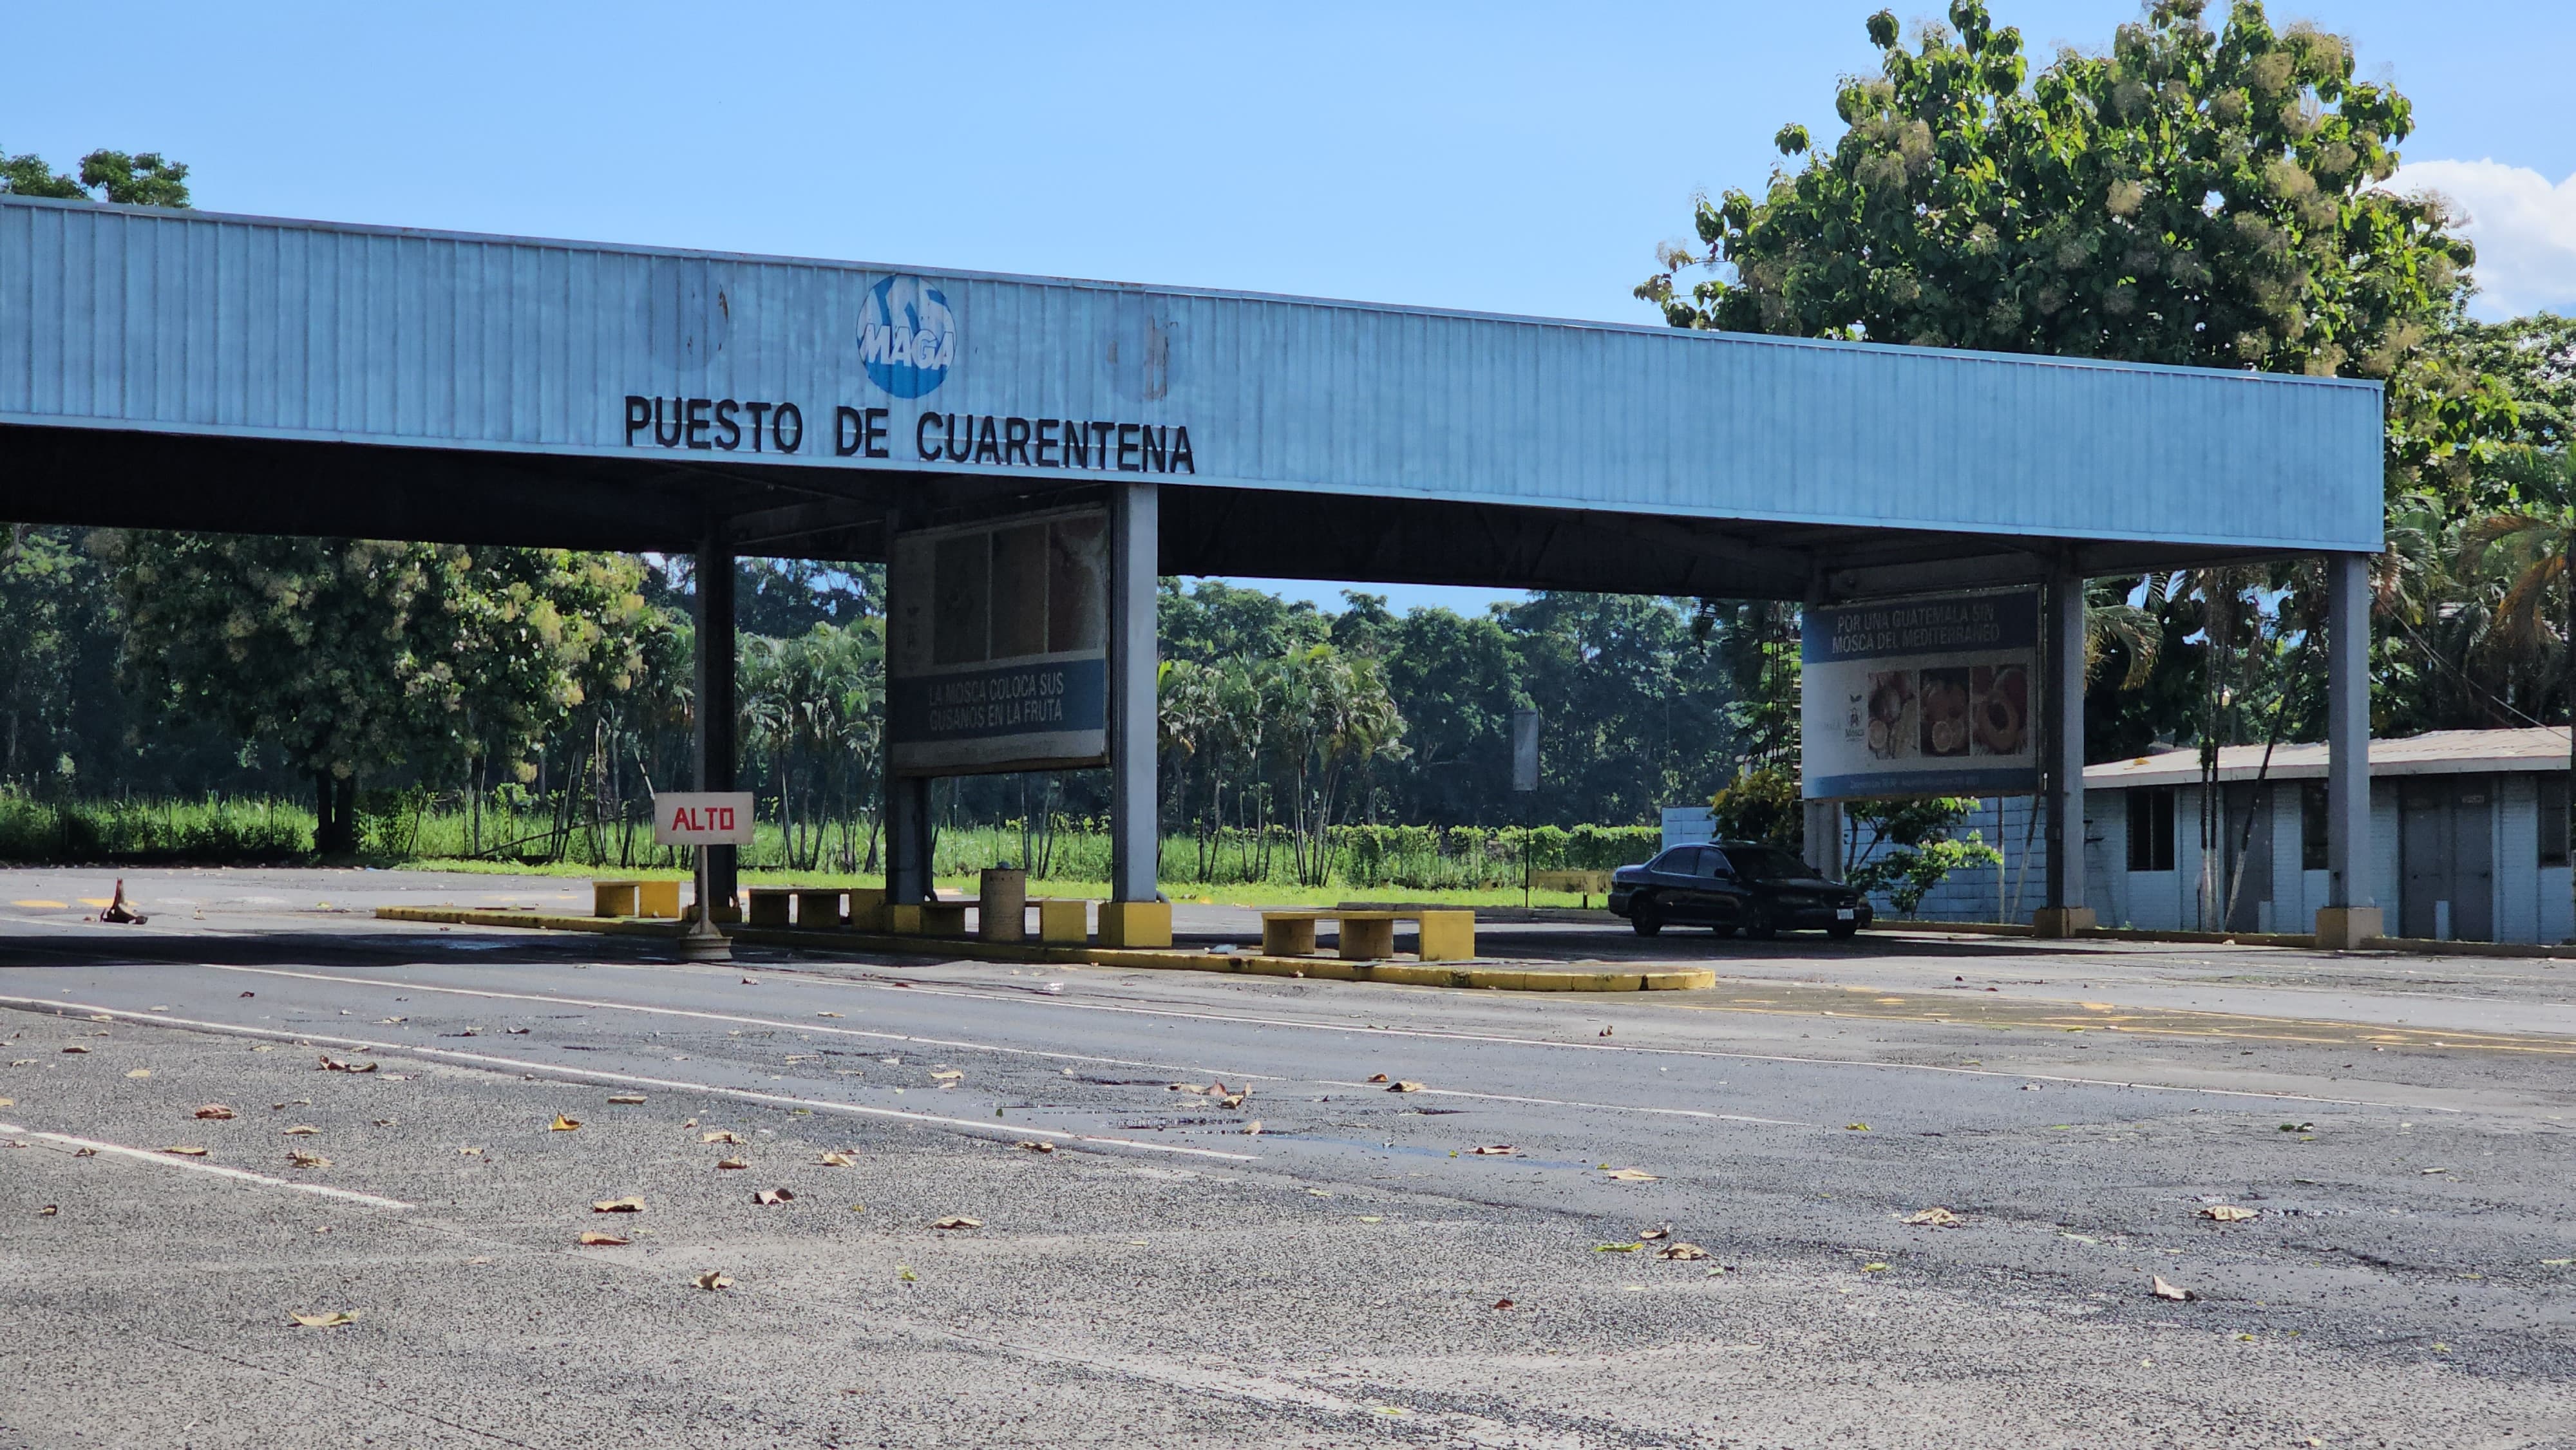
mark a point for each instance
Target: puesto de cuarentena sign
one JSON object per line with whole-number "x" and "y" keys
{"x": 907, "y": 341}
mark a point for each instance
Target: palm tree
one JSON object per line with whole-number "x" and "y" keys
{"x": 2532, "y": 542}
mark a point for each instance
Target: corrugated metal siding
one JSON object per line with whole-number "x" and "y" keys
{"x": 123, "y": 317}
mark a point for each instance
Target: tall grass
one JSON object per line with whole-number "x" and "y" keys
{"x": 411, "y": 828}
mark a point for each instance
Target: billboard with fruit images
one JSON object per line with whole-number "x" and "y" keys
{"x": 1927, "y": 696}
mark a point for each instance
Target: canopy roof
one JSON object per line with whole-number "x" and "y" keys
{"x": 189, "y": 369}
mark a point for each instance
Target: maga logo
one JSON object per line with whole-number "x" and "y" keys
{"x": 907, "y": 336}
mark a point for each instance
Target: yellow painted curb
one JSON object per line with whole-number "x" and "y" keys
{"x": 1491, "y": 977}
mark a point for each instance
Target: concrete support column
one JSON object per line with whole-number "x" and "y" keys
{"x": 2061, "y": 693}
{"x": 907, "y": 797}
{"x": 2351, "y": 913}
{"x": 716, "y": 706}
{"x": 1135, "y": 914}
{"x": 1825, "y": 838}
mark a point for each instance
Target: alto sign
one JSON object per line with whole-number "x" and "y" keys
{"x": 702, "y": 818}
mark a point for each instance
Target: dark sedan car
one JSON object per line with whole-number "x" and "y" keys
{"x": 1734, "y": 886}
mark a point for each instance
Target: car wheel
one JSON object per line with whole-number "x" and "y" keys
{"x": 1643, "y": 916}
{"x": 1758, "y": 924}
{"x": 1843, "y": 930}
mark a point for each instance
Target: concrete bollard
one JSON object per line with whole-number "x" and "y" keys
{"x": 1003, "y": 904}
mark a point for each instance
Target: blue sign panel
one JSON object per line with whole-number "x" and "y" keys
{"x": 1914, "y": 697}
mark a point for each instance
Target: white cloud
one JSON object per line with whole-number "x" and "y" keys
{"x": 2525, "y": 229}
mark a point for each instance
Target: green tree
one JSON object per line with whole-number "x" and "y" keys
{"x": 355, "y": 655}
{"x": 1911, "y": 849}
{"x": 2533, "y": 539}
{"x": 146, "y": 180}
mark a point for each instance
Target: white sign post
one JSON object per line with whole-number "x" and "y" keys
{"x": 702, "y": 819}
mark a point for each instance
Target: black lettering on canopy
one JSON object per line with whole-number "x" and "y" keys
{"x": 788, "y": 441}
{"x": 955, "y": 452}
{"x": 1182, "y": 462}
{"x": 1015, "y": 441}
{"x": 1077, "y": 445}
{"x": 921, "y": 443}
{"x": 1127, "y": 448}
{"x": 987, "y": 448}
{"x": 696, "y": 412}
{"x": 1046, "y": 443}
{"x": 758, "y": 411}
{"x": 677, "y": 423}
{"x": 639, "y": 415}
{"x": 1158, "y": 455}
{"x": 849, "y": 431}
{"x": 725, "y": 410}
{"x": 876, "y": 432}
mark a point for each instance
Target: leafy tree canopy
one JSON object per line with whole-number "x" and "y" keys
{"x": 2189, "y": 196}
{"x": 146, "y": 180}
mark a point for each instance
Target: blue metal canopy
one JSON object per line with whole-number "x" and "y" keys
{"x": 373, "y": 375}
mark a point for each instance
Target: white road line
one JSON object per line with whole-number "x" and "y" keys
{"x": 780, "y": 1024}
{"x": 1433, "y": 1092}
{"x": 244, "y": 1175}
{"x": 1499, "y": 1039}
{"x": 585, "y": 1074}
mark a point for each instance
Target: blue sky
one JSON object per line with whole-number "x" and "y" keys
{"x": 1504, "y": 157}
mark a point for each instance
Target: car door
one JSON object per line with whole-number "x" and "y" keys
{"x": 1677, "y": 883}
{"x": 1722, "y": 892}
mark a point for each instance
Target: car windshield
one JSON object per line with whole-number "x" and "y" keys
{"x": 1767, "y": 863}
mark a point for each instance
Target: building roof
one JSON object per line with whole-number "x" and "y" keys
{"x": 2437, "y": 752}
{"x": 544, "y": 355}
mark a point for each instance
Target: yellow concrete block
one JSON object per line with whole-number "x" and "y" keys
{"x": 2061, "y": 921}
{"x": 1135, "y": 923}
{"x": 867, "y": 908}
{"x": 769, "y": 905}
{"x": 818, "y": 908}
{"x": 1287, "y": 936}
{"x": 926, "y": 918}
{"x": 1448, "y": 936}
{"x": 658, "y": 899}
{"x": 614, "y": 898}
{"x": 2342, "y": 928}
{"x": 1064, "y": 919}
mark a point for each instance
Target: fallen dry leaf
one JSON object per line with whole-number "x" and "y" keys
{"x": 628, "y": 1204}
{"x": 947, "y": 1075}
{"x": 773, "y": 1195}
{"x": 562, "y": 1124}
{"x": 1616, "y": 1248}
{"x": 751, "y": 981}
{"x": 139, "y": 1072}
{"x": 302, "y": 1159}
{"x": 1377, "y": 1077}
{"x": 1404, "y": 1087}
{"x": 1502, "y": 1303}
{"x": 215, "y": 1111}
{"x": 22, "y": 1062}
{"x": 827, "y": 1014}
{"x": 300, "y": 1130}
{"x": 594, "y": 1239}
{"x": 712, "y": 1280}
{"x": 1034, "y": 1146}
{"x": 1631, "y": 1175}
{"x": 1873, "y": 1268}
{"x": 514, "y": 1032}
{"x": 1495, "y": 1150}
{"x": 1679, "y": 1250}
{"x": 333, "y": 1064}
{"x": 1654, "y": 1233}
{"x": 2164, "y": 1290}
{"x": 1232, "y": 1100}
{"x": 959, "y": 1223}
{"x": 835, "y": 1160}
{"x": 332, "y": 1320}
{"x": 75, "y": 1047}
{"x": 1935, "y": 1218}
{"x": 719, "y": 1136}
{"x": 186, "y": 1152}
{"x": 2229, "y": 1213}
{"x": 1253, "y": 1127}
{"x": 628, "y": 1098}
{"x": 731, "y": 1163}
{"x": 1855, "y": 1127}
{"x": 469, "y": 1151}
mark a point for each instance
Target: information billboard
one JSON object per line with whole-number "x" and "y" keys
{"x": 1927, "y": 696}
{"x": 997, "y": 652}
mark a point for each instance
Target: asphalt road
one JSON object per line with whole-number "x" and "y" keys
{"x": 1166, "y": 1275}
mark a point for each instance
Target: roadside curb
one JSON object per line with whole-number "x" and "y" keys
{"x": 1470, "y": 975}
{"x": 2305, "y": 941}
